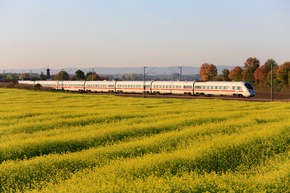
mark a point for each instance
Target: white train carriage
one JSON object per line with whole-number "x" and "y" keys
{"x": 172, "y": 87}
{"x": 100, "y": 86}
{"x": 182, "y": 87}
{"x": 26, "y": 82}
{"x": 78, "y": 86}
{"x": 240, "y": 89}
{"x": 133, "y": 87}
{"x": 161, "y": 87}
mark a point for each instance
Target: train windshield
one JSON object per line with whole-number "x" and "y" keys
{"x": 249, "y": 86}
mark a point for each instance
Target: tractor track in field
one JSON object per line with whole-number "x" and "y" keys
{"x": 261, "y": 96}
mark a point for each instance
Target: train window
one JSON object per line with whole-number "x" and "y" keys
{"x": 187, "y": 87}
{"x": 249, "y": 86}
{"x": 239, "y": 88}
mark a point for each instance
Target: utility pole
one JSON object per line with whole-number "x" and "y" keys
{"x": 92, "y": 74}
{"x": 30, "y": 75}
{"x": 144, "y": 79}
{"x": 3, "y": 76}
{"x": 144, "y": 84}
{"x": 61, "y": 72}
{"x": 272, "y": 85}
{"x": 180, "y": 72}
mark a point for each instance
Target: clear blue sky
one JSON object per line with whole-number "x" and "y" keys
{"x": 136, "y": 33}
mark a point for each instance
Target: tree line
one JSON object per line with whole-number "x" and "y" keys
{"x": 262, "y": 76}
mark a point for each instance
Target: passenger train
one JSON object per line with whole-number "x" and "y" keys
{"x": 211, "y": 88}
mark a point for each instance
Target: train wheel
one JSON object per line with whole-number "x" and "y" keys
{"x": 240, "y": 96}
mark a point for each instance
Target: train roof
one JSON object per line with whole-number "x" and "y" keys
{"x": 221, "y": 83}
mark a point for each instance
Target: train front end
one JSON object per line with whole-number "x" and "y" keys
{"x": 249, "y": 90}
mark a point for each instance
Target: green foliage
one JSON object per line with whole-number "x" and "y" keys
{"x": 80, "y": 75}
{"x": 65, "y": 142}
{"x": 62, "y": 75}
{"x": 251, "y": 65}
{"x": 225, "y": 75}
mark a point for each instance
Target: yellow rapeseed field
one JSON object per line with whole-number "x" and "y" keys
{"x": 70, "y": 142}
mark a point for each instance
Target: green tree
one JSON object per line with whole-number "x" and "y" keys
{"x": 24, "y": 76}
{"x": 92, "y": 76}
{"x": 11, "y": 76}
{"x": 262, "y": 75}
{"x": 80, "y": 75}
{"x": 269, "y": 63}
{"x": 62, "y": 75}
{"x": 283, "y": 73}
{"x": 132, "y": 76}
{"x": 225, "y": 75}
{"x": 42, "y": 76}
{"x": 251, "y": 65}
